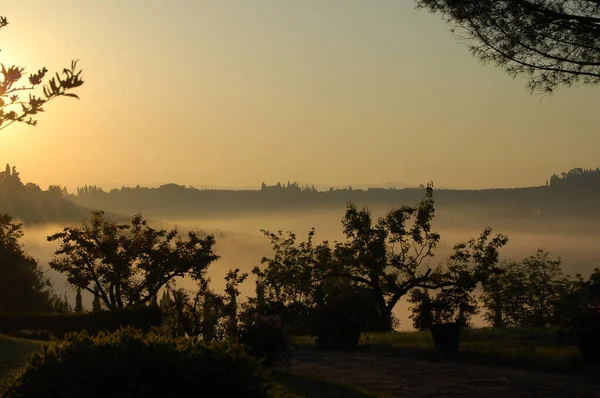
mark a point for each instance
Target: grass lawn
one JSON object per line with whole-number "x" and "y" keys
{"x": 14, "y": 354}
{"x": 516, "y": 347}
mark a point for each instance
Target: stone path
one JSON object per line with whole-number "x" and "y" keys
{"x": 408, "y": 376}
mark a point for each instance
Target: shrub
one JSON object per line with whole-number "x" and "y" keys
{"x": 143, "y": 318}
{"x": 336, "y": 330}
{"x": 297, "y": 318}
{"x": 129, "y": 364}
{"x": 337, "y": 325}
{"x": 580, "y": 311}
{"x": 451, "y": 305}
{"x": 265, "y": 337}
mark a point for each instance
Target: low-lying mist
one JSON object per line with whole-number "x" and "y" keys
{"x": 241, "y": 244}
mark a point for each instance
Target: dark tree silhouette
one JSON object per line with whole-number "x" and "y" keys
{"x": 127, "y": 264}
{"x": 23, "y": 285}
{"x": 96, "y": 304}
{"x": 552, "y": 42}
{"x": 388, "y": 257}
{"x": 15, "y": 109}
{"x": 78, "y": 302}
{"x": 526, "y": 293}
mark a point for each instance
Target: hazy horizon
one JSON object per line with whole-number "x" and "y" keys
{"x": 236, "y": 93}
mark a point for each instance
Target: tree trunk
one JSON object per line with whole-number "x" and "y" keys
{"x": 385, "y": 320}
{"x": 498, "y": 322}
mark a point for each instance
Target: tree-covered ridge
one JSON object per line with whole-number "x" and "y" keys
{"x": 31, "y": 204}
{"x": 577, "y": 179}
{"x": 553, "y": 197}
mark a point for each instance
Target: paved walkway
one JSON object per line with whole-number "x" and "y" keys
{"x": 398, "y": 376}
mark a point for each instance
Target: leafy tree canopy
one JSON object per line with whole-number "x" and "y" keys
{"x": 388, "y": 257}
{"x": 526, "y": 293}
{"x": 127, "y": 264}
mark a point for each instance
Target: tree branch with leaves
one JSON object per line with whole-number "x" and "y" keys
{"x": 16, "y": 109}
{"x": 127, "y": 264}
{"x": 551, "y": 42}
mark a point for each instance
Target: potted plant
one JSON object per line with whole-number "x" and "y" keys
{"x": 444, "y": 314}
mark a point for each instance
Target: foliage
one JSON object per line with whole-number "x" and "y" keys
{"x": 386, "y": 258}
{"x": 448, "y": 306}
{"x": 553, "y": 42}
{"x": 233, "y": 279}
{"x": 341, "y": 318}
{"x": 265, "y": 337}
{"x": 297, "y": 318}
{"x": 96, "y": 304}
{"x": 472, "y": 263}
{"x": 582, "y": 298}
{"x": 200, "y": 312}
{"x": 576, "y": 180}
{"x": 580, "y": 314}
{"x": 390, "y": 257}
{"x": 23, "y": 285}
{"x": 30, "y": 204}
{"x": 78, "y": 302}
{"x": 15, "y": 352}
{"x": 296, "y": 287}
{"x": 294, "y": 272}
{"x": 15, "y": 109}
{"x": 137, "y": 365}
{"x": 127, "y": 264}
{"x": 526, "y": 293}
{"x": 13, "y": 356}
{"x": 144, "y": 318}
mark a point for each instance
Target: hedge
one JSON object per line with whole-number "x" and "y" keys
{"x": 143, "y": 318}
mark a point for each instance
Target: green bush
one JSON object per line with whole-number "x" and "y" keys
{"x": 57, "y": 325}
{"x": 297, "y": 318}
{"x": 265, "y": 337}
{"x": 129, "y": 364}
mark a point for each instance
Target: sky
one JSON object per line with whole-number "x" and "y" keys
{"x": 233, "y": 93}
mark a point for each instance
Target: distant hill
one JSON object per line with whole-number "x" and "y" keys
{"x": 29, "y": 204}
{"x": 571, "y": 194}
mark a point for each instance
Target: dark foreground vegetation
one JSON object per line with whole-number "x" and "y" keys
{"x": 144, "y": 336}
{"x": 139, "y": 365}
{"x": 339, "y": 296}
{"x": 524, "y": 349}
